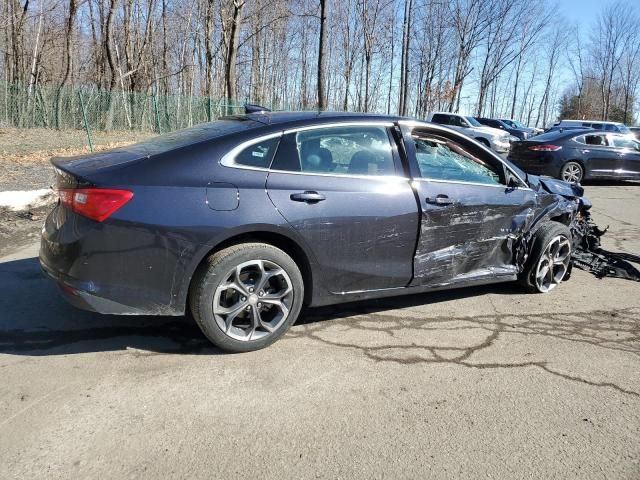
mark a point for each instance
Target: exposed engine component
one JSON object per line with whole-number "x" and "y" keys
{"x": 589, "y": 255}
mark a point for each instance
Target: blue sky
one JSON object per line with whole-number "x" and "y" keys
{"x": 582, "y": 12}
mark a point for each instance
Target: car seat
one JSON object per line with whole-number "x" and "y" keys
{"x": 360, "y": 162}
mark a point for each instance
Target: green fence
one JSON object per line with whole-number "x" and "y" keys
{"x": 90, "y": 109}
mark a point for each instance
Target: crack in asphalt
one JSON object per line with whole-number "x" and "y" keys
{"x": 616, "y": 330}
{"x": 596, "y": 328}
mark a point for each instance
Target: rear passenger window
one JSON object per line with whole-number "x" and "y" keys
{"x": 259, "y": 154}
{"x": 597, "y": 140}
{"x": 349, "y": 150}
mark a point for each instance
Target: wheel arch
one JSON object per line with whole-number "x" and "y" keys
{"x": 579, "y": 161}
{"x": 279, "y": 240}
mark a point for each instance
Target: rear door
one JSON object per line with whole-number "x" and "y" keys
{"x": 343, "y": 189}
{"x": 470, "y": 218}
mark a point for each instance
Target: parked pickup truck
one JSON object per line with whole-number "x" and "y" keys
{"x": 498, "y": 140}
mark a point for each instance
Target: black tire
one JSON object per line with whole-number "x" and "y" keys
{"x": 484, "y": 141}
{"x": 217, "y": 269}
{"x": 542, "y": 238}
{"x": 572, "y": 172}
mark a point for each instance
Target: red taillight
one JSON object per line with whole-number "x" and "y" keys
{"x": 94, "y": 203}
{"x": 545, "y": 148}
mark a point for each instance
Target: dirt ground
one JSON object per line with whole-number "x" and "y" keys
{"x": 25, "y": 153}
{"x": 24, "y": 165}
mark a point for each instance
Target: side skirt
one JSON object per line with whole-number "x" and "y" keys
{"x": 346, "y": 297}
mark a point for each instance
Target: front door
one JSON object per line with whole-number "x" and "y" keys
{"x": 342, "y": 189}
{"x": 471, "y": 219}
{"x": 628, "y": 152}
{"x": 601, "y": 160}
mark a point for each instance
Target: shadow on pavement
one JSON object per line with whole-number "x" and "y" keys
{"x": 611, "y": 183}
{"x": 36, "y": 320}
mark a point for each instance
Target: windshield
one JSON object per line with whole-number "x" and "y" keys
{"x": 473, "y": 122}
{"x": 518, "y": 124}
{"x": 623, "y": 128}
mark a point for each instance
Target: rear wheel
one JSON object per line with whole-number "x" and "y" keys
{"x": 572, "y": 172}
{"x": 549, "y": 262}
{"x": 246, "y": 296}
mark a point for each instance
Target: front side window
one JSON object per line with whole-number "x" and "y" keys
{"x": 473, "y": 121}
{"x": 347, "y": 150}
{"x": 441, "y": 159}
{"x": 259, "y": 154}
{"x": 622, "y": 142}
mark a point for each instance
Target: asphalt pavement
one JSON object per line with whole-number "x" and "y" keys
{"x": 473, "y": 383}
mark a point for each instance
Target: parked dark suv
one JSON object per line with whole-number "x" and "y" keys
{"x": 516, "y": 132}
{"x": 245, "y": 220}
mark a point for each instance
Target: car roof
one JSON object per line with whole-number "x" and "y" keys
{"x": 560, "y": 133}
{"x": 302, "y": 118}
{"x": 607, "y": 122}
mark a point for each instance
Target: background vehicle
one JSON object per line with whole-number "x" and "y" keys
{"x": 577, "y": 155}
{"x": 520, "y": 134}
{"x": 516, "y": 124}
{"x": 595, "y": 124}
{"x": 245, "y": 220}
{"x": 493, "y": 138}
{"x": 558, "y": 128}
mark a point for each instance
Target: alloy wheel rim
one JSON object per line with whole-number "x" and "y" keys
{"x": 553, "y": 264}
{"x": 572, "y": 173}
{"x": 253, "y": 300}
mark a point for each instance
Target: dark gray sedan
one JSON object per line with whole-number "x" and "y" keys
{"x": 246, "y": 220}
{"x": 576, "y": 155}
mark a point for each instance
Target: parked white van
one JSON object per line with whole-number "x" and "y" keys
{"x": 595, "y": 124}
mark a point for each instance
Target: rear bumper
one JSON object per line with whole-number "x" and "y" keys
{"x": 72, "y": 291}
{"x": 543, "y": 165}
{"x": 114, "y": 268}
{"x": 501, "y": 147}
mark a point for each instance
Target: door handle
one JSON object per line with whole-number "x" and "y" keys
{"x": 308, "y": 197}
{"x": 439, "y": 200}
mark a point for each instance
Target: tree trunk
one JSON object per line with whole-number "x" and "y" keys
{"x": 67, "y": 61}
{"x": 322, "y": 98}
{"x": 232, "y": 53}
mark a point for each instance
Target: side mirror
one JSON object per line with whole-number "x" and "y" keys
{"x": 513, "y": 183}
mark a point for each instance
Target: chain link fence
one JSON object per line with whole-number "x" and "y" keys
{"x": 91, "y": 110}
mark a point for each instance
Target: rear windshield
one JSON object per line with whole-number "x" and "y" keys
{"x": 192, "y": 135}
{"x": 549, "y": 136}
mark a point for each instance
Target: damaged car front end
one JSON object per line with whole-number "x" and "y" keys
{"x": 574, "y": 209}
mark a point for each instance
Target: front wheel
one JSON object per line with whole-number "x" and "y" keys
{"x": 572, "y": 172}
{"x": 484, "y": 141}
{"x": 246, "y": 296}
{"x": 550, "y": 259}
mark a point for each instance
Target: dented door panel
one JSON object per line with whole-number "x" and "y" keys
{"x": 474, "y": 236}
